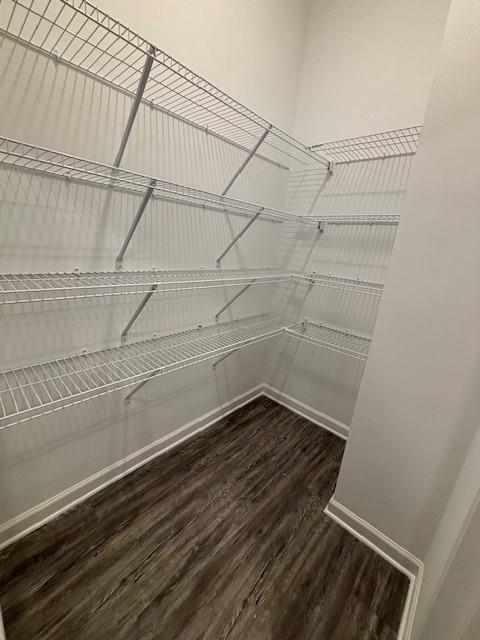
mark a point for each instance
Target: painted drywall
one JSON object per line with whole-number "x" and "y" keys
{"x": 250, "y": 49}
{"x": 418, "y": 406}
{"x": 367, "y": 66}
{"x": 57, "y": 225}
{"x": 450, "y": 595}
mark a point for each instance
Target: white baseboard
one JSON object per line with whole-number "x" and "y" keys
{"x": 321, "y": 419}
{"x": 40, "y": 514}
{"x": 396, "y": 555}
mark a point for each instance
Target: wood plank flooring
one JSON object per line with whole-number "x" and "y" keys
{"x": 223, "y": 538}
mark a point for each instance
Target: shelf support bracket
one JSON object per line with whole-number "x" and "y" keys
{"x": 237, "y": 237}
{"x": 137, "y": 387}
{"x": 217, "y": 362}
{"x": 246, "y": 161}
{"x": 138, "y": 311}
{"x": 232, "y": 300}
{"x": 133, "y": 226}
{"x": 136, "y": 103}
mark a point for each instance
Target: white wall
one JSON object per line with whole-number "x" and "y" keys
{"x": 418, "y": 406}
{"x": 250, "y": 49}
{"x": 367, "y": 66}
{"x": 450, "y": 600}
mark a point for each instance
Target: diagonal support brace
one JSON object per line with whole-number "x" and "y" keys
{"x": 247, "y": 160}
{"x": 141, "y": 384}
{"x": 232, "y": 300}
{"x": 138, "y": 311}
{"x": 136, "y": 103}
{"x": 225, "y": 355}
{"x": 237, "y": 237}
{"x": 133, "y": 226}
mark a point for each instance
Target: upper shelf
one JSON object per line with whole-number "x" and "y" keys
{"x": 376, "y": 146}
{"x": 30, "y": 157}
{"x": 77, "y": 33}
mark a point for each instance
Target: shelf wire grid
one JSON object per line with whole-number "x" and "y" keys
{"x": 333, "y": 339}
{"x": 16, "y": 288}
{"x": 39, "y": 389}
{"x": 24, "y": 155}
{"x": 329, "y": 281}
{"x": 79, "y": 34}
{"x": 376, "y": 146}
{"x": 47, "y": 287}
{"x": 29, "y": 157}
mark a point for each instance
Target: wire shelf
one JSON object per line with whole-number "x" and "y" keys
{"x": 24, "y": 155}
{"x": 39, "y": 389}
{"x": 46, "y": 287}
{"x": 341, "y": 283}
{"x": 352, "y": 220}
{"x": 330, "y": 338}
{"x": 79, "y": 34}
{"x": 388, "y": 144}
{"x": 16, "y": 288}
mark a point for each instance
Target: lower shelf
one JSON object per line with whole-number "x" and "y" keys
{"x": 36, "y": 390}
{"x": 340, "y": 341}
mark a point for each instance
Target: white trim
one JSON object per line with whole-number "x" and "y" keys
{"x": 40, "y": 514}
{"x": 2, "y": 628}
{"x": 396, "y": 555}
{"x": 321, "y": 419}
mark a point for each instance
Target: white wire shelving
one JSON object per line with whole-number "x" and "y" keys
{"x": 333, "y": 339}
{"x": 29, "y": 157}
{"x": 38, "y": 389}
{"x": 376, "y": 146}
{"x": 78, "y": 34}
{"x": 342, "y": 283}
{"x": 19, "y": 288}
{"x": 31, "y": 391}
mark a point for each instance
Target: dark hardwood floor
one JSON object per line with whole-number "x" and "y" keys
{"x": 222, "y": 538}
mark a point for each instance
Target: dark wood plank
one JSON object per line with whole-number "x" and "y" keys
{"x": 222, "y": 538}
